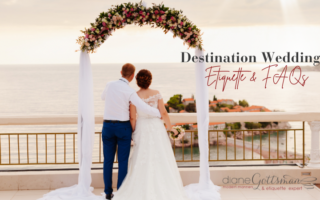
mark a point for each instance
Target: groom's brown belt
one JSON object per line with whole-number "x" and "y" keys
{"x": 115, "y": 121}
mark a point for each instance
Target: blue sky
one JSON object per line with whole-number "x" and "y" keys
{"x": 44, "y": 32}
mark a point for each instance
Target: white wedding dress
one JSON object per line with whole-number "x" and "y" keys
{"x": 152, "y": 172}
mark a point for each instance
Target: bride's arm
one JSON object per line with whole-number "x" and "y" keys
{"x": 165, "y": 116}
{"x": 133, "y": 116}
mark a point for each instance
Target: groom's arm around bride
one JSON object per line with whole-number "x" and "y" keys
{"x": 117, "y": 129}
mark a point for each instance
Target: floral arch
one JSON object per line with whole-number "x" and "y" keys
{"x": 157, "y": 16}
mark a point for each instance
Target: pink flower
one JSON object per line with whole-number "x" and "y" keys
{"x": 162, "y": 12}
{"x": 172, "y": 27}
{"x": 93, "y": 29}
{"x": 150, "y": 20}
{"x": 189, "y": 41}
{"x": 181, "y": 34}
{"x": 129, "y": 15}
{"x": 90, "y": 36}
{"x": 189, "y": 28}
{"x": 159, "y": 19}
{"x": 87, "y": 35}
{"x": 196, "y": 36}
{"x": 148, "y": 13}
{"x": 172, "y": 18}
{"x": 102, "y": 35}
{"x": 109, "y": 14}
{"x": 181, "y": 23}
{"x": 156, "y": 12}
{"x": 125, "y": 11}
{"x": 132, "y": 9}
{"x": 104, "y": 24}
{"x": 140, "y": 12}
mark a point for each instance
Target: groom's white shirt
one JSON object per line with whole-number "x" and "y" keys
{"x": 117, "y": 95}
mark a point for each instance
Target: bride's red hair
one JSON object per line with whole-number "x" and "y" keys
{"x": 144, "y": 78}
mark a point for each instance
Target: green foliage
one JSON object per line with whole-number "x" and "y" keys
{"x": 226, "y": 106}
{"x": 167, "y": 108}
{"x": 185, "y": 141}
{"x": 195, "y": 135}
{"x": 234, "y": 126}
{"x": 186, "y": 127}
{"x": 214, "y": 98}
{"x": 243, "y": 103}
{"x": 226, "y": 132}
{"x": 216, "y": 109}
{"x": 180, "y": 107}
{"x": 265, "y": 124}
{"x": 175, "y": 102}
{"x": 191, "y": 107}
{"x": 253, "y": 125}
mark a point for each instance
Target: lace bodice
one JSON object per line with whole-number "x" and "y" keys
{"x": 151, "y": 101}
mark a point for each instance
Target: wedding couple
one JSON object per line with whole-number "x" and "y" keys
{"x": 151, "y": 173}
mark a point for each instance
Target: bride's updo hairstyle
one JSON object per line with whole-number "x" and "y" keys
{"x": 144, "y": 78}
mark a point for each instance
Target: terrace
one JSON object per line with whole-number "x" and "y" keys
{"x": 245, "y": 162}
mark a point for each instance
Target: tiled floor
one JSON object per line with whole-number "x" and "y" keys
{"x": 264, "y": 192}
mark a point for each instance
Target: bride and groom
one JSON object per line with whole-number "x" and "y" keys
{"x": 152, "y": 172}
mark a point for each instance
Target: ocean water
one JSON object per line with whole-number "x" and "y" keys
{"x": 53, "y": 89}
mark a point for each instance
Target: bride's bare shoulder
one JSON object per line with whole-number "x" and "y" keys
{"x": 153, "y": 92}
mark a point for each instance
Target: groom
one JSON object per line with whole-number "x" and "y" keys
{"x": 116, "y": 125}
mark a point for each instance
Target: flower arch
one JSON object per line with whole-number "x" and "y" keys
{"x": 158, "y": 16}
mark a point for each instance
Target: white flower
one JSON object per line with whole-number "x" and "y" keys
{"x": 142, "y": 8}
{"x": 128, "y": 20}
{"x": 151, "y": 11}
{"x": 166, "y": 12}
{"x": 127, "y": 9}
{"x": 181, "y": 29}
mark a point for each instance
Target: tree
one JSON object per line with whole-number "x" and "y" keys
{"x": 186, "y": 126}
{"x": 243, "y": 103}
{"x": 180, "y": 107}
{"x": 167, "y": 108}
{"x": 252, "y": 125}
{"x": 191, "y": 107}
{"x": 214, "y": 98}
{"x": 216, "y": 109}
{"x": 175, "y": 102}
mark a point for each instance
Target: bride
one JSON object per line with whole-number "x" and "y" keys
{"x": 152, "y": 172}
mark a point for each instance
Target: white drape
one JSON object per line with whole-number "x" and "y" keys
{"x": 205, "y": 189}
{"x": 82, "y": 191}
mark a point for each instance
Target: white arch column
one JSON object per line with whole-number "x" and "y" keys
{"x": 315, "y": 147}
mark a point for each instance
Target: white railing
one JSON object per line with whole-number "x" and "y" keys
{"x": 313, "y": 119}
